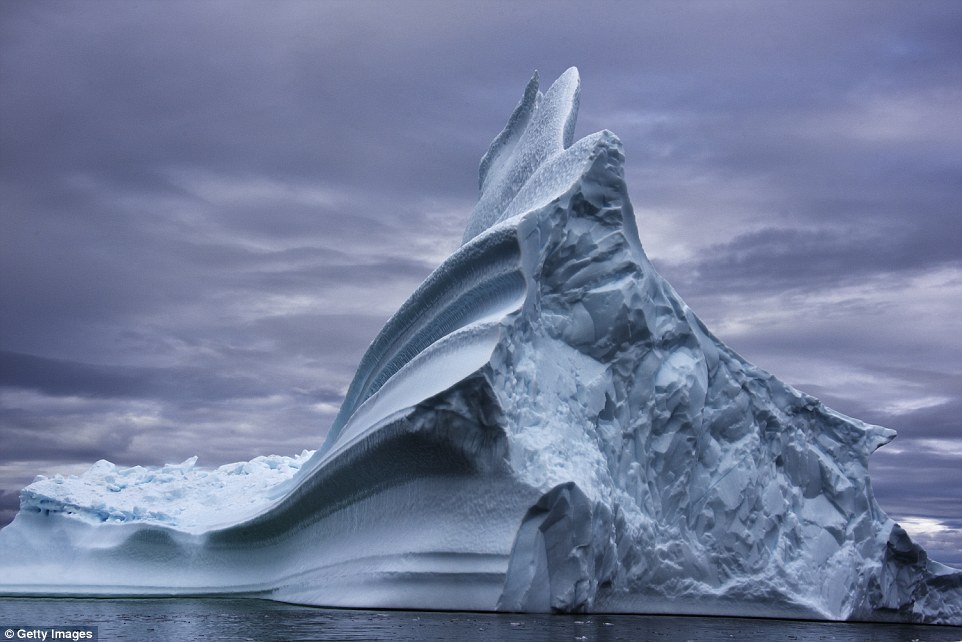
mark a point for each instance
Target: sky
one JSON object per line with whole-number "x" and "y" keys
{"x": 209, "y": 209}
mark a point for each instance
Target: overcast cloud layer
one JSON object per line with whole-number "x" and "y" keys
{"x": 209, "y": 209}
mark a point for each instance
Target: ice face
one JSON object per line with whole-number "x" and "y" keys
{"x": 543, "y": 426}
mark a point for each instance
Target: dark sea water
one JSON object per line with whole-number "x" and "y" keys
{"x": 246, "y": 619}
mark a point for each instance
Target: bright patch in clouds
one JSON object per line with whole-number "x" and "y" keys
{"x": 923, "y": 526}
{"x": 902, "y": 406}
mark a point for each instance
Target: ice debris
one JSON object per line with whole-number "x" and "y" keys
{"x": 543, "y": 426}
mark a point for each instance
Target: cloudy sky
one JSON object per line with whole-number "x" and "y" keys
{"x": 209, "y": 209}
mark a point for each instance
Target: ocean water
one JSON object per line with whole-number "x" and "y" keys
{"x": 186, "y": 620}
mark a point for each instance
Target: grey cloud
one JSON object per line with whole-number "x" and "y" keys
{"x": 9, "y": 505}
{"x": 912, "y": 485}
{"x": 338, "y": 337}
{"x": 938, "y": 421}
{"x": 63, "y": 435}
{"x": 70, "y": 378}
{"x": 285, "y": 100}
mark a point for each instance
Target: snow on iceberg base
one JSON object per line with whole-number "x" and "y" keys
{"x": 543, "y": 426}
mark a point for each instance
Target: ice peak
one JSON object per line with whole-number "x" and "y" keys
{"x": 541, "y": 126}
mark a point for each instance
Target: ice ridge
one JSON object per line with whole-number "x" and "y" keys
{"x": 543, "y": 426}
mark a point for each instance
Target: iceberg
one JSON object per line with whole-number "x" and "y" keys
{"x": 543, "y": 426}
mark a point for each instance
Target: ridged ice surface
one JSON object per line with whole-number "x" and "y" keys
{"x": 544, "y": 425}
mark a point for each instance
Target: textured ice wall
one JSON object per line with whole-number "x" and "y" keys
{"x": 544, "y": 425}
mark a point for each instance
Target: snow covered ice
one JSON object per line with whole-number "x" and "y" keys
{"x": 543, "y": 425}
{"x": 176, "y": 494}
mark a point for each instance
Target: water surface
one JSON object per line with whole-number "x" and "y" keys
{"x": 188, "y": 620}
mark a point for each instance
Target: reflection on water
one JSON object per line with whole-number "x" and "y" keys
{"x": 240, "y": 619}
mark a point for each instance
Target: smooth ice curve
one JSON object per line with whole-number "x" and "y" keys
{"x": 543, "y": 426}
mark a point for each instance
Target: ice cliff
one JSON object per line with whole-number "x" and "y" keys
{"x": 543, "y": 426}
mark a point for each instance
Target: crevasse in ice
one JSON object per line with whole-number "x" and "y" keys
{"x": 543, "y": 426}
